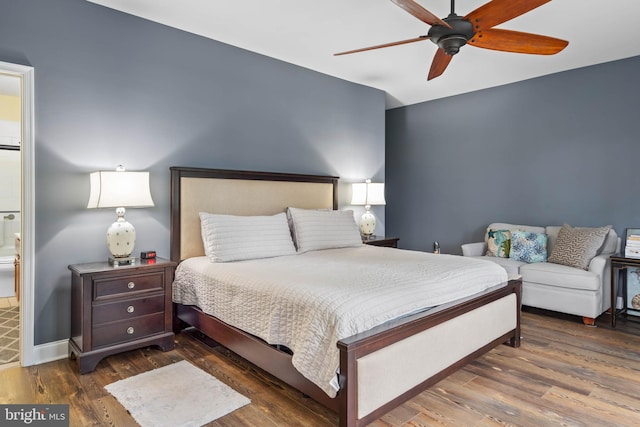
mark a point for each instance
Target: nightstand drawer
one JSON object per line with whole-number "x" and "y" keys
{"x": 117, "y": 287}
{"x": 133, "y": 307}
{"x": 127, "y": 330}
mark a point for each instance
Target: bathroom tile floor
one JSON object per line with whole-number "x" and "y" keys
{"x": 9, "y": 302}
{"x": 9, "y": 330}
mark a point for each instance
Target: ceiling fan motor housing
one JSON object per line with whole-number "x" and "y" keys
{"x": 452, "y": 39}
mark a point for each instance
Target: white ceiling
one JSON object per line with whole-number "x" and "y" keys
{"x": 308, "y": 33}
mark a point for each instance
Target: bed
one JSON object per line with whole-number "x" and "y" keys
{"x": 379, "y": 368}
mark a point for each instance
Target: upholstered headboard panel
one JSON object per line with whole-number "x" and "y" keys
{"x": 195, "y": 190}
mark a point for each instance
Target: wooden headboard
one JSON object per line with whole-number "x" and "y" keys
{"x": 195, "y": 190}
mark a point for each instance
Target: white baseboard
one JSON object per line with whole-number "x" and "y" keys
{"x": 50, "y": 351}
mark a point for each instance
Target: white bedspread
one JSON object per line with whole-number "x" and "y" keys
{"x": 309, "y": 302}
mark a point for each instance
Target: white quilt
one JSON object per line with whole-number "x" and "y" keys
{"x": 308, "y": 302}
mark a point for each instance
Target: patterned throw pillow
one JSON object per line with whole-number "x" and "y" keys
{"x": 576, "y": 247}
{"x": 528, "y": 247}
{"x": 498, "y": 243}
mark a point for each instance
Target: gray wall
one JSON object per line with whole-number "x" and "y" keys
{"x": 555, "y": 149}
{"x": 115, "y": 89}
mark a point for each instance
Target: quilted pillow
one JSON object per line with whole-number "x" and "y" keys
{"x": 576, "y": 246}
{"x": 323, "y": 229}
{"x": 236, "y": 238}
{"x": 498, "y": 243}
{"x": 528, "y": 247}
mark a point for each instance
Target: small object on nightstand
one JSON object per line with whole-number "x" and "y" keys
{"x": 148, "y": 254}
{"x": 389, "y": 242}
{"x": 116, "y": 309}
{"x": 117, "y": 262}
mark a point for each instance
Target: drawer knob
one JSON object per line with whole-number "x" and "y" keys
{"x": 130, "y": 330}
{"x": 130, "y": 309}
{"x": 131, "y": 285}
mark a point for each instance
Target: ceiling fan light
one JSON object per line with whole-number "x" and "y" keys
{"x": 452, "y": 44}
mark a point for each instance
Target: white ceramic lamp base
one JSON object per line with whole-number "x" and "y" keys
{"x": 367, "y": 223}
{"x": 121, "y": 239}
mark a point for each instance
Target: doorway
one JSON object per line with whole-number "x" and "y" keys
{"x": 17, "y": 220}
{"x": 10, "y": 216}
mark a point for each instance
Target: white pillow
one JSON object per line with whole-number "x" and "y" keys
{"x": 235, "y": 238}
{"x": 323, "y": 229}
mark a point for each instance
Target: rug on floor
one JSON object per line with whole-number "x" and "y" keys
{"x": 9, "y": 334}
{"x": 179, "y": 394}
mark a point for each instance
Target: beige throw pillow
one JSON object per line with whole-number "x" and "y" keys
{"x": 576, "y": 246}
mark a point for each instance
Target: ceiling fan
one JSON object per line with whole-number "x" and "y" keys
{"x": 476, "y": 29}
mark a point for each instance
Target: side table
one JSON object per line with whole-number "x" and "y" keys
{"x": 620, "y": 264}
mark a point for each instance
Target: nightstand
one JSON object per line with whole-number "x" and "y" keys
{"x": 116, "y": 309}
{"x": 389, "y": 242}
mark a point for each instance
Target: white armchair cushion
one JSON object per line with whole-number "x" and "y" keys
{"x": 560, "y": 276}
{"x": 474, "y": 249}
{"x": 512, "y": 267}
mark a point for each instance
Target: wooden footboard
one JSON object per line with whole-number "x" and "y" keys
{"x": 383, "y": 367}
{"x": 388, "y": 365}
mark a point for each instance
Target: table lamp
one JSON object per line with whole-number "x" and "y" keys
{"x": 367, "y": 193}
{"x": 119, "y": 189}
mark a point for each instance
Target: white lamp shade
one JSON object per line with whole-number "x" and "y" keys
{"x": 375, "y": 194}
{"x": 359, "y": 193}
{"x": 367, "y": 193}
{"x": 114, "y": 189}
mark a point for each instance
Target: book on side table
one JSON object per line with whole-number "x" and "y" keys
{"x": 632, "y": 245}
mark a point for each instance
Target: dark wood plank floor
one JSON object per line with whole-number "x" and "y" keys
{"x": 565, "y": 374}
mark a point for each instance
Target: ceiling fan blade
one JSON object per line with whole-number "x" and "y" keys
{"x": 439, "y": 64}
{"x": 496, "y": 12}
{"x": 518, "y": 42}
{"x": 420, "y": 12}
{"x": 417, "y": 39}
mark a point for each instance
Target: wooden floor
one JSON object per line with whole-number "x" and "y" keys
{"x": 565, "y": 374}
